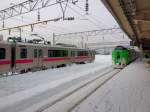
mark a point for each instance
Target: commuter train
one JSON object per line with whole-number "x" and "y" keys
{"x": 24, "y": 57}
{"x": 122, "y": 56}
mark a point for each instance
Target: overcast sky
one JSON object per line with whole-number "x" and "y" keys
{"x": 98, "y": 18}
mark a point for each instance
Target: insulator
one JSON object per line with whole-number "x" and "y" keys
{"x": 32, "y": 28}
{"x": 3, "y": 26}
{"x": 38, "y": 17}
{"x": 86, "y": 6}
{"x": 74, "y": 1}
{"x": 70, "y": 18}
{"x": 9, "y": 31}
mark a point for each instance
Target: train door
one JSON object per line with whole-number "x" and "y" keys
{"x": 40, "y": 57}
{"x": 35, "y": 57}
{"x": 13, "y": 58}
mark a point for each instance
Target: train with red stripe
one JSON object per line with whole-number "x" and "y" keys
{"x": 23, "y": 57}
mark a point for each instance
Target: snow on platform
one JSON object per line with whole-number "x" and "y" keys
{"x": 128, "y": 91}
{"x": 42, "y": 80}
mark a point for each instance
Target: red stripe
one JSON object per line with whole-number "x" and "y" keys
{"x": 56, "y": 59}
{"x": 24, "y": 61}
{"x": 5, "y": 62}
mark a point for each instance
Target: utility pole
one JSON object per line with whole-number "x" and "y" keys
{"x": 82, "y": 41}
{"x": 20, "y": 31}
{"x": 53, "y": 39}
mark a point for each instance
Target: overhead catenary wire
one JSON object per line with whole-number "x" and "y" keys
{"x": 84, "y": 17}
{"x": 94, "y": 17}
{"x": 47, "y": 26}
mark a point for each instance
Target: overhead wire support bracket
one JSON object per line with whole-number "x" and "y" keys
{"x": 31, "y": 24}
{"x": 63, "y": 9}
{"x": 91, "y": 33}
{"x": 28, "y": 6}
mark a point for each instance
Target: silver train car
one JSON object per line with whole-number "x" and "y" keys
{"x": 24, "y": 57}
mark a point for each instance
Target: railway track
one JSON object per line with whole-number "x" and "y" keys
{"x": 70, "y": 98}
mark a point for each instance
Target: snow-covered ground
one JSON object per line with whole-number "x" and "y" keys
{"x": 42, "y": 80}
{"x": 128, "y": 91}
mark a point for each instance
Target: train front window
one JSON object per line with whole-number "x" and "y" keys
{"x": 2, "y": 53}
{"x": 118, "y": 55}
{"x": 23, "y": 53}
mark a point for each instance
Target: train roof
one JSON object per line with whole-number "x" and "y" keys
{"x": 120, "y": 48}
{"x": 47, "y": 45}
{"x": 5, "y": 42}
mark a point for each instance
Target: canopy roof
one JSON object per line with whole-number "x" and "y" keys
{"x": 133, "y": 16}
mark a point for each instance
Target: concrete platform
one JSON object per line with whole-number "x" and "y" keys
{"x": 128, "y": 91}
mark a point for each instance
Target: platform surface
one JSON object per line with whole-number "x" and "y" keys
{"x": 128, "y": 91}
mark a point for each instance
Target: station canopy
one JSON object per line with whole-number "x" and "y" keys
{"x": 133, "y": 16}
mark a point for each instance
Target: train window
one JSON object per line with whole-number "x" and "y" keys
{"x": 2, "y": 53}
{"x": 50, "y": 53}
{"x": 57, "y": 53}
{"x": 65, "y": 53}
{"x": 23, "y": 53}
{"x": 72, "y": 53}
{"x": 40, "y": 53}
{"x": 86, "y": 53}
{"x": 81, "y": 53}
{"x": 35, "y": 53}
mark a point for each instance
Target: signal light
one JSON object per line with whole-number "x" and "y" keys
{"x": 86, "y": 7}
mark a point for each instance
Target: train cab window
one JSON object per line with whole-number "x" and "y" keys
{"x": 23, "y": 53}
{"x": 2, "y": 53}
{"x": 40, "y": 53}
{"x": 35, "y": 53}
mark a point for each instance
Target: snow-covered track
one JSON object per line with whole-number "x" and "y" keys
{"x": 73, "y": 96}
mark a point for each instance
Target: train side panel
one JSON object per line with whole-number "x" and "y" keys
{"x": 54, "y": 57}
{"x": 24, "y": 57}
{"x": 84, "y": 56}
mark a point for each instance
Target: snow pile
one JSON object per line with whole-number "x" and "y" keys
{"x": 128, "y": 91}
{"x": 103, "y": 58}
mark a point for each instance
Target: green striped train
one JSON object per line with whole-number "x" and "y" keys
{"x": 122, "y": 56}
